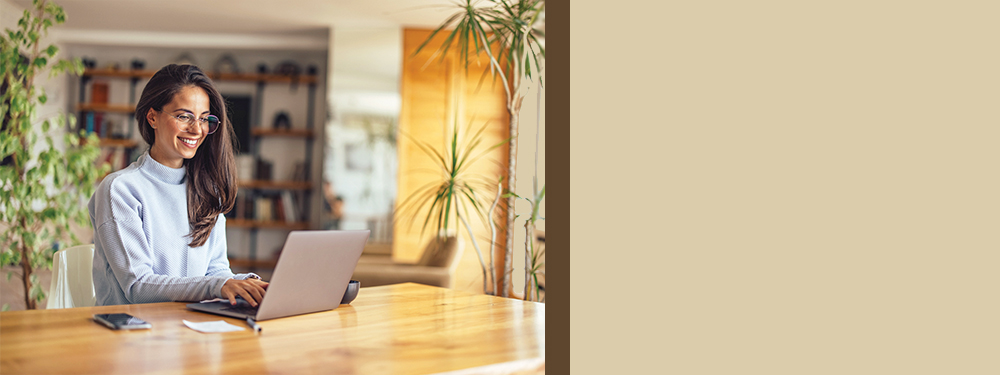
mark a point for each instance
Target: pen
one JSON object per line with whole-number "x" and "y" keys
{"x": 253, "y": 325}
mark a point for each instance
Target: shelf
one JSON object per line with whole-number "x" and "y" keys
{"x": 118, "y": 73}
{"x": 250, "y": 263}
{"x": 243, "y": 223}
{"x": 254, "y": 77}
{"x": 271, "y": 132}
{"x": 115, "y": 142}
{"x": 94, "y": 107}
{"x": 277, "y": 185}
{"x": 244, "y": 77}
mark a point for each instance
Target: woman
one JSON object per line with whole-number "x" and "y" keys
{"x": 159, "y": 232}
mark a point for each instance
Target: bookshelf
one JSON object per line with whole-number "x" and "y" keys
{"x": 267, "y": 203}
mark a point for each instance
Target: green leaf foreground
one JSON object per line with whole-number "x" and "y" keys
{"x": 43, "y": 190}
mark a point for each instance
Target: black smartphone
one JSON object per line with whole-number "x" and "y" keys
{"x": 121, "y": 321}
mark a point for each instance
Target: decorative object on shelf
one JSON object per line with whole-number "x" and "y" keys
{"x": 226, "y": 64}
{"x": 282, "y": 121}
{"x": 185, "y": 58}
{"x": 138, "y": 64}
{"x": 287, "y": 68}
{"x": 291, "y": 69}
{"x": 262, "y": 68}
{"x": 244, "y": 166}
{"x": 89, "y": 63}
{"x": 312, "y": 70}
{"x": 118, "y": 129}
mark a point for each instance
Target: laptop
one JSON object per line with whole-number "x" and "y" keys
{"x": 312, "y": 274}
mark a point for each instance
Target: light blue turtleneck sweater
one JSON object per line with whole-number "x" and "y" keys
{"x": 141, "y": 252}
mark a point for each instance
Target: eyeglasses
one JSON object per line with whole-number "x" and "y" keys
{"x": 208, "y": 123}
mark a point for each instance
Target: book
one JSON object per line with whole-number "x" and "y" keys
{"x": 100, "y": 127}
{"x": 279, "y": 209}
{"x": 299, "y": 172}
{"x": 263, "y": 209}
{"x": 99, "y": 93}
{"x": 289, "y": 206}
{"x": 264, "y": 170}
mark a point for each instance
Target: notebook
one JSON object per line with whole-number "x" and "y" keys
{"x": 311, "y": 275}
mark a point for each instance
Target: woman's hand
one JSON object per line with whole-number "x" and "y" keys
{"x": 251, "y": 290}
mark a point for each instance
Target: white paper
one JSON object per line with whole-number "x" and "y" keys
{"x": 212, "y": 327}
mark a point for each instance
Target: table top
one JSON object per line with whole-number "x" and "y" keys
{"x": 394, "y": 329}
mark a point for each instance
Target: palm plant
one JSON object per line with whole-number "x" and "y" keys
{"x": 456, "y": 192}
{"x": 506, "y": 30}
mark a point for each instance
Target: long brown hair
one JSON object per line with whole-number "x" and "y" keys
{"x": 211, "y": 173}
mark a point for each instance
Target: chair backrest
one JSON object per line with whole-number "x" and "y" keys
{"x": 72, "y": 278}
{"x": 442, "y": 253}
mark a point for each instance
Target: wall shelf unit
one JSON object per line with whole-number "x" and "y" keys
{"x": 277, "y": 194}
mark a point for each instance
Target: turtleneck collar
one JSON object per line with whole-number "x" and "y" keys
{"x": 161, "y": 172}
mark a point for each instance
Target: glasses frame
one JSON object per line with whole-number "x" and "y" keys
{"x": 205, "y": 121}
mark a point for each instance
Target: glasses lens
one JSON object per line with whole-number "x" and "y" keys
{"x": 213, "y": 123}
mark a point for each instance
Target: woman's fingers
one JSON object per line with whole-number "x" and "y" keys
{"x": 251, "y": 290}
{"x": 256, "y": 293}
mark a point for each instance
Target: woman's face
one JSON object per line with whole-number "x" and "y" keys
{"x": 176, "y": 139}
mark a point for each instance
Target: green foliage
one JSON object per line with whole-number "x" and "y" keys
{"x": 455, "y": 192}
{"x": 457, "y": 189}
{"x": 504, "y": 29}
{"x": 44, "y": 189}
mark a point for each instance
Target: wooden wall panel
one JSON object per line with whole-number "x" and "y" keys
{"x": 434, "y": 94}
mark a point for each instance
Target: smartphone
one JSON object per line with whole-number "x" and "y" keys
{"x": 121, "y": 321}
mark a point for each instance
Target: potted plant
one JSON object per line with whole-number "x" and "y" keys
{"x": 43, "y": 188}
{"x": 506, "y": 31}
{"x": 455, "y": 192}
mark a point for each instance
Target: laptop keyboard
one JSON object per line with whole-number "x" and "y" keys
{"x": 249, "y": 310}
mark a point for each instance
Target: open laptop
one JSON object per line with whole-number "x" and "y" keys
{"x": 311, "y": 275}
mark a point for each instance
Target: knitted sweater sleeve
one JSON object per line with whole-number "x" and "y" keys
{"x": 219, "y": 265}
{"x": 131, "y": 259}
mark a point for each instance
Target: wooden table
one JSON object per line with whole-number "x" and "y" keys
{"x": 394, "y": 329}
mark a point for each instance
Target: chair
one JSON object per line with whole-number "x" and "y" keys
{"x": 436, "y": 266}
{"x": 72, "y": 278}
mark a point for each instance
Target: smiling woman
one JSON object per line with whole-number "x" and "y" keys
{"x": 177, "y": 129}
{"x": 159, "y": 233}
